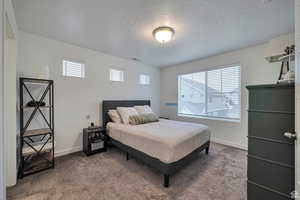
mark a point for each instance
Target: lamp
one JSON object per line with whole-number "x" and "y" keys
{"x": 282, "y": 49}
{"x": 275, "y": 49}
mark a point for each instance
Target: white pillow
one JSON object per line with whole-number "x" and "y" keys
{"x": 143, "y": 109}
{"x": 126, "y": 112}
{"x": 115, "y": 116}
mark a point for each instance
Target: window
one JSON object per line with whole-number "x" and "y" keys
{"x": 116, "y": 75}
{"x": 214, "y": 93}
{"x": 73, "y": 69}
{"x": 144, "y": 79}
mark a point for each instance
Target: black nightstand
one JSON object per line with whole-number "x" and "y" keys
{"x": 94, "y": 140}
{"x": 164, "y": 117}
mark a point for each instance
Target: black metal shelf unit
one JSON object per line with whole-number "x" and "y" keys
{"x": 37, "y": 144}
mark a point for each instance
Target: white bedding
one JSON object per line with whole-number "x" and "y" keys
{"x": 166, "y": 140}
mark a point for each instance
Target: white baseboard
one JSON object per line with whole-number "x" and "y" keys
{"x": 67, "y": 151}
{"x": 228, "y": 143}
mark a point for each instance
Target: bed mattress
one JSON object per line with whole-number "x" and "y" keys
{"x": 166, "y": 140}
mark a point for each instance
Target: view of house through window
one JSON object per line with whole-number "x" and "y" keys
{"x": 214, "y": 93}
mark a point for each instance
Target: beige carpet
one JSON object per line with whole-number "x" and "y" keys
{"x": 221, "y": 175}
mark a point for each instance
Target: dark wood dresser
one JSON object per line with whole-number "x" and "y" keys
{"x": 271, "y": 155}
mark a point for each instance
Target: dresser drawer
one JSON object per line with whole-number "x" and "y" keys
{"x": 258, "y": 193}
{"x": 275, "y": 177}
{"x": 274, "y": 151}
{"x": 271, "y": 125}
{"x": 272, "y": 99}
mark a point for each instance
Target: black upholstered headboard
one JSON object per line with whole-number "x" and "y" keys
{"x": 108, "y": 105}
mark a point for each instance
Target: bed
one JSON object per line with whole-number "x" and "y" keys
{"x": 165, "y": 145}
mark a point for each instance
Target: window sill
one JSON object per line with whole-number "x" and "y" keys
{"x": 72, "y": 77}
{"x": 210, "y": 118}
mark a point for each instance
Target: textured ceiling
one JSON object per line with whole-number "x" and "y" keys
{"x": 124, "y": 27}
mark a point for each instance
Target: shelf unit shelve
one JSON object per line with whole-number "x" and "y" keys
{"x": 36, "y": 145}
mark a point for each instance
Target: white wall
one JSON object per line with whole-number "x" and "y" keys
{"x": 297, "y": 39}
{"x": 10, "y": 75}
{"x": 76, "y": 98}
{"x": 10, "y": 94}
{"x": 2, "y": 164}
{"x": 254, "y": 70}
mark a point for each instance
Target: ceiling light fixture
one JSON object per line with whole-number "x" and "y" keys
{"x": 163, "y": 34}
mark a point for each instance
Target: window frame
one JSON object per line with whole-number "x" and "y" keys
{"x": 83, "y": 69}
{"x": 238, "y": 120}
{"x": 116, "y": 69}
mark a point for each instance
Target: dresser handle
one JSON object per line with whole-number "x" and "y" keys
{"x": 290, "y": 135}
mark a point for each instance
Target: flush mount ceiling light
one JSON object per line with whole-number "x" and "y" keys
{"x": 163, "y": 34}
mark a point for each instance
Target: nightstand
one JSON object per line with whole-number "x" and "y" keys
{"x": 164, "y": 117}
{"x": 94, "y": 140}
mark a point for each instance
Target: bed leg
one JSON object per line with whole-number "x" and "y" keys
{"x": 207, "y": 150}
{"x": 166, "y": 180}
{"x": 127, "y": 156}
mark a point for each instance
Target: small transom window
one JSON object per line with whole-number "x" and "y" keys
{"x": 116, "y": 75}
{"x": 73, "y": 69}
{"x": 144, "y": 79}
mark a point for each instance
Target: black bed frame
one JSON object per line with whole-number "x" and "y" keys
{"x": 165, "y": 168}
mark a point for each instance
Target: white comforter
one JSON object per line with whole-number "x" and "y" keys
{"x": 166, "y": 140}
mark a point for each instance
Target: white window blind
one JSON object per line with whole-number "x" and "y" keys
{"x": 116, "y": 75}
{"x": 214, "y": 93}
{"x": 73, "y": 69}
{"x": 144, "y": 79}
